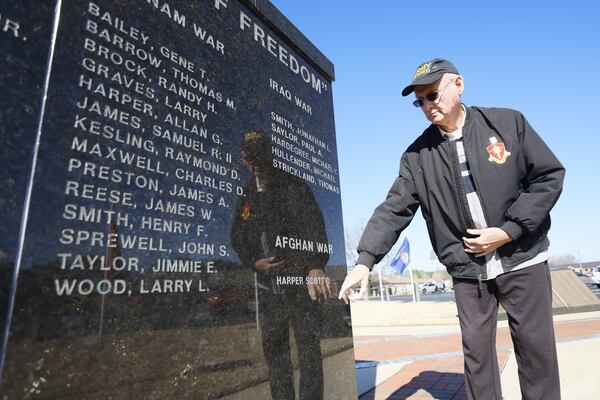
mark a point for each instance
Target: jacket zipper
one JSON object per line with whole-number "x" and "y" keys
{"x": 462, "y": 197}
{"x": 474, "y": 162}
{"x": 459, "y": 184}
{"x": 475, "y": 178}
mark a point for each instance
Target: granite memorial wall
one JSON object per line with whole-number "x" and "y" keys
{"x": 171, "y": 220}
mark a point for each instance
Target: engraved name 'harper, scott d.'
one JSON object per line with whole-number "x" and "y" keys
{"x": 302, "y": 244}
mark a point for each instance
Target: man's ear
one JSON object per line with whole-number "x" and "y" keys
{"x": 460, "y": 84}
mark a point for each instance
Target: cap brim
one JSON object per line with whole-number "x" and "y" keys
{"x": 407, "y": 90}
{"x": 425, "y": 80}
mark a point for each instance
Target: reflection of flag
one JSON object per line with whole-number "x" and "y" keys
{"x": 111, "y": 254}
{"x": 402, "y": 257}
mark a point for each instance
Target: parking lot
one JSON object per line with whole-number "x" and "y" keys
{"x": 449, "y": 295}
{"x": 588, "y": 282}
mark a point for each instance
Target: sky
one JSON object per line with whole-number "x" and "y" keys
{"x": 541, "y": 60}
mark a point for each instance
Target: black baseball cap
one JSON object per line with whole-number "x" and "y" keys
{"x": 257, "y": 147}
{"x": 429, "y": 72}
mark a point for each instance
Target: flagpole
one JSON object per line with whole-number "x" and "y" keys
{"x": 380, "y": 285}
{"x": 256, "y": 300}
{"x": 108, "y": 265}
{"x": 412, "y": 285}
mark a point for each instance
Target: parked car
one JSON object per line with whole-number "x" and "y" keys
{"x": 443, "y": 286}
{"x": 429, "y": 288}
{"x": 596, "y": 275}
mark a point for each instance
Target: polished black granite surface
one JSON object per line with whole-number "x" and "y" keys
{"x": 184, "y": 233}
{"x": 25, "y": 33}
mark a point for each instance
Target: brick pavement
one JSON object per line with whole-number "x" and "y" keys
{"x": 436, "y": 368}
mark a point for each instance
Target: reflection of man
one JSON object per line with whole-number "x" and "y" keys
{"x": 486, "y": 183}
{"x": 276, "y": 229}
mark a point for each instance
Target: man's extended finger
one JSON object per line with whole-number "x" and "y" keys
{"x": 475, "y": 231}
{"x": 311, "y": 293}
{"x": 343, "y": 290}
{"x": 318, "y": 294}
{"x": 478, "y": 251}
{"x": 324, "y": 291}
{"x": 363, "y": 287}
{"x": 470, "y": 246}
{"x": 344, "y": 296}
{"x": 330, "y": 291}
{"x": 471, "y": 241}
{"x": 350, "y": 281}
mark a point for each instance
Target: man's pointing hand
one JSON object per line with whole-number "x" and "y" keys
{"x": 359, "y": 274}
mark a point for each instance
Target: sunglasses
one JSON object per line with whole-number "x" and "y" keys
{"x": 432, "y": 96}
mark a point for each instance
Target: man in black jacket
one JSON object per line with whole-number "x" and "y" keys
{"x": 277, "y": 225}
{"x": 486, "y": 183}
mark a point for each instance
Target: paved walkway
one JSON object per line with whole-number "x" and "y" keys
{"x": 431, "y": 365}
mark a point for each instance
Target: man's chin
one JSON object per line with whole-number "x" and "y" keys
{"x": 436, "y": 118}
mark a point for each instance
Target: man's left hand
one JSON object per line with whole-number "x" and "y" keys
{"x": 486, "y": 242}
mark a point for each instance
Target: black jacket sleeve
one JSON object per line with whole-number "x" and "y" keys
{"x": 390, "y": 218}
{"x": 541, "y": 185}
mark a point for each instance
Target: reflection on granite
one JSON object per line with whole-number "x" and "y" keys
{"x": 24, "y": 40}
{"x": 134, "y": 280}
{"x": 279, "y": 232}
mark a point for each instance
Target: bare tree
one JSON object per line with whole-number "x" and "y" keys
{"x": 440, "y": 275}
{"x": 432, "y": 255}
{"x": 563, "y": 259}
{"x": 352, "y": 235}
